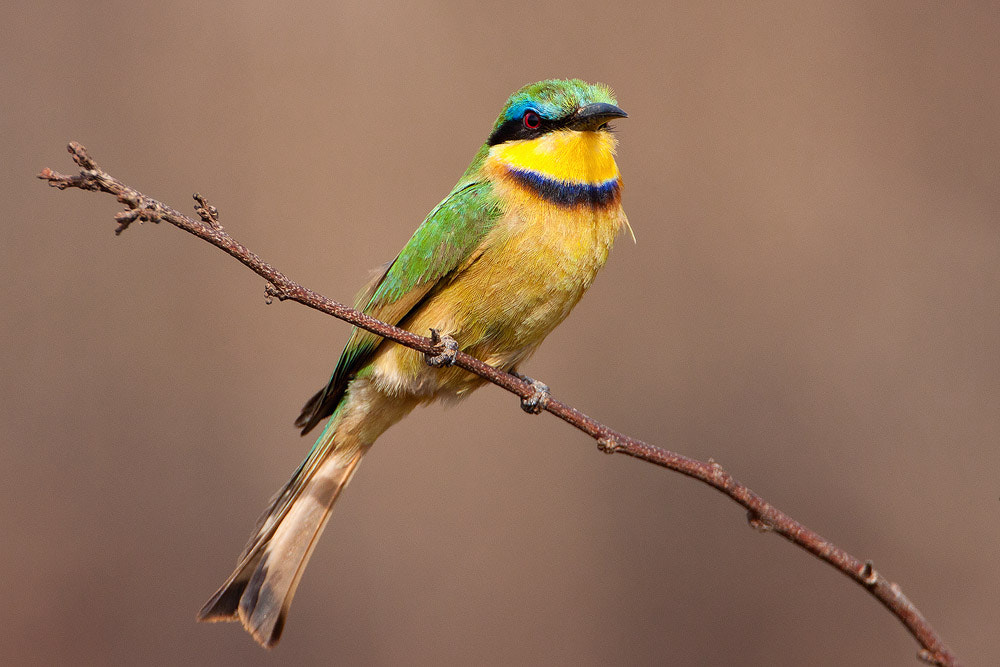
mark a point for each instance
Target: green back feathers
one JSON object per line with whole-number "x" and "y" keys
{"x": 446, "y": 239}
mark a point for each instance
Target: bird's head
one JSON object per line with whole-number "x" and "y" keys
{"x": 556, "y": 132}
{"x": 555, "y": 104}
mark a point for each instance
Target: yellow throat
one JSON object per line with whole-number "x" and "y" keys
{"x": 568, "y": 156}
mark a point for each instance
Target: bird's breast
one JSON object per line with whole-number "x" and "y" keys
{"x": 539, "y": 258}
{"x": 530, "y": 270}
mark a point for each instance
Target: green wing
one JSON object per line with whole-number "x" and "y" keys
{"x": 448, "y": 237}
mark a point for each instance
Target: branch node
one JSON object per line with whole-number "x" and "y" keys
{"x": 720, "y": 478}
{"x": 609, "y": 445}
{"x": 935, "y": 658}
{"x": 758, "y": 522}
{"x": 445, "y": 349}
{"x": 126, "y": 218}
{"x": 208, "y": 213}
{"x": 272, "y": 292}
{"x": 62, "y": 181}
{"x": 151, "y": 211}
{"x": 81, "y": 157}
{"x": 539, "y": 398}
{"x": 128, "y": 198}
{"x": 140, "y": 208}
{"x": 868, "y": 574}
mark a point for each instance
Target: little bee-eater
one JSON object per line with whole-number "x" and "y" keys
{"x": 496, "y": 265}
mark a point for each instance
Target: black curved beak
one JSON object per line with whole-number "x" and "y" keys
{"x": 593, "y": 116}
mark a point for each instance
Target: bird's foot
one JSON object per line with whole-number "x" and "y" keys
{"x": 445, "y": 349}
{"x": 539, "y": 398}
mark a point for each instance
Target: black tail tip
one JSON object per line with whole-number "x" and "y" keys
{"x": 223, "y": 606}
{"x": 265, "y": 628}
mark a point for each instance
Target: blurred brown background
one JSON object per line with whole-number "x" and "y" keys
{"x": 812, "y": 302}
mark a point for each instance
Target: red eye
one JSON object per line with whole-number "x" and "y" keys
{"x": 532, "y": 120}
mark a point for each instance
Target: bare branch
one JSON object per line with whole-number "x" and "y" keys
{"x": 442, "y": 351}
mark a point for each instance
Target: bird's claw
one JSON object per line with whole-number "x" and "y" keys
{"x": 539, "y": 398}
{"x": 445, "y": 349}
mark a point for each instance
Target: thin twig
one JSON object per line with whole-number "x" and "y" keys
{"x": 440, "y": 350}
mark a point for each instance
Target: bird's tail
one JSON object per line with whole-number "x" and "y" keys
{"x": 260, "y": 590}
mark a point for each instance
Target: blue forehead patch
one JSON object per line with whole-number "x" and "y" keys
{"x": 555, "y": 98}
{"x": 544, "y": 109}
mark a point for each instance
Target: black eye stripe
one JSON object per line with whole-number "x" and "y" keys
{"x": 514, "y": 129}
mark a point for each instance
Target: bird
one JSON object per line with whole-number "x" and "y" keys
{"x": 496, "y": 266}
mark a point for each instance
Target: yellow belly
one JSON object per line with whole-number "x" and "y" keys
{"x": 535, "y": 265}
